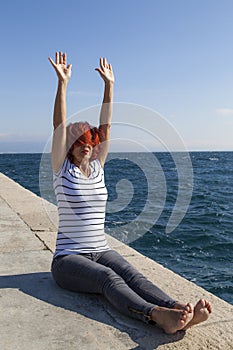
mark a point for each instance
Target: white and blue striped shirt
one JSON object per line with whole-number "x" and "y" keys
{"x": 81, "y": 205}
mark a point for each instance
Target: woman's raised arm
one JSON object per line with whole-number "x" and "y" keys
{"x": 106, "y": 73}
{"x": 63, "y": 72}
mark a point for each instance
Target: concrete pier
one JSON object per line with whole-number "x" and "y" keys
{"x": 35, "y": 314}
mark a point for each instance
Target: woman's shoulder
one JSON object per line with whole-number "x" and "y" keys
{"x": 96, "y": 163}
{"x": 96, "y": 167}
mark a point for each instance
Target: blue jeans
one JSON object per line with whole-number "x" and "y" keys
{"x": 109, "y": 274}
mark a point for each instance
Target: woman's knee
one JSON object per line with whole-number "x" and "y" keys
{"x": 110, "y": 280}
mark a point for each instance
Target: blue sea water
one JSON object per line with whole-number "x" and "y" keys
{"x": 199, "y": 248}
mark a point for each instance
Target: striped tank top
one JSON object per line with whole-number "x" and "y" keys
{"x": 81, "y": 205}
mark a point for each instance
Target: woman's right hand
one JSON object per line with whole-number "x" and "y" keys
{"x": 63, "y": 71}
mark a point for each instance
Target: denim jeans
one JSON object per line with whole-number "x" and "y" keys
{"x": 109, "y": 274}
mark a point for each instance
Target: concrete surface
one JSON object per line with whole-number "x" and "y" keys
{"x": 36, "y": 314}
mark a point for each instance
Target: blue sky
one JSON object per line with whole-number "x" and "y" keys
{"x": 171, "y": 56}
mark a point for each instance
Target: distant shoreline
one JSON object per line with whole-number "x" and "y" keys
{"x": 136, "y": 152}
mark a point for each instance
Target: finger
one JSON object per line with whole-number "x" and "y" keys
{"x": 101, "y": 63}
{"x": 60, "y": 57}
{"x": 52, "y": 62}
{"x": 69, "y": 66}
{"x": 105, "y": 62}
{"x": 99, "y": 70}
{"x": 64, "y": 58}
{"x": 110, "y": 66}
{"x": 101, "y": 73}
{"x": 57, "y": 57}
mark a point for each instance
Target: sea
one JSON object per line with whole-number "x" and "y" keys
{"x": 177, "y": 209}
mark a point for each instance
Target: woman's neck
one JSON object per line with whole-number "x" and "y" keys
{"x": 84, "y": 166}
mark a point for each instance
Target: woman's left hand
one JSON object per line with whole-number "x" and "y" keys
{"x": 105, "y": 71}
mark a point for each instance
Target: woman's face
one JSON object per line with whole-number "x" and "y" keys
{"x": 82, "y": 152}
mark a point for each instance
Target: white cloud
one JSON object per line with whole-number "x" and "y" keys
{"x": 224, "y": 112}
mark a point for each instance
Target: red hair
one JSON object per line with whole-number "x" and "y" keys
{"x": 82, "y": 133}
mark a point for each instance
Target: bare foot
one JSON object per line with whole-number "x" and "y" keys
{"x": 202, "y": 310}
{"x": 172, "y": 320}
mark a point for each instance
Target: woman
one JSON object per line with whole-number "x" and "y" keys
{"x": 83, "y": 261}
